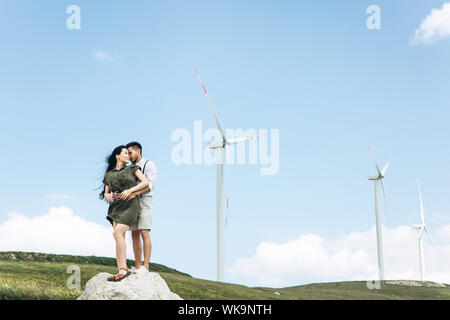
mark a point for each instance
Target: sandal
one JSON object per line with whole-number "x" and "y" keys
{"x": 120, "y": 276}
{"x": 111, "y": 278}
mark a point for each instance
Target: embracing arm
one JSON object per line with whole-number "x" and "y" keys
{"x": 142, "y": 185}
{"x": 116, "y": 195}
{"x": 142, "y": 191}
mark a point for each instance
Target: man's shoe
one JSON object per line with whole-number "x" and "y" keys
{"x": 133, "y": 270}
{"x": 142, "y": 269}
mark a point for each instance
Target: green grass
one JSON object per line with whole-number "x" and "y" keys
{"x": 357, "y": 290}
{"x": 42, "y": 277}
{"x": 92, "y": 260}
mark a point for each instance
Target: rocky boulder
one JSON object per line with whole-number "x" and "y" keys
{"x": 141, "y": 286}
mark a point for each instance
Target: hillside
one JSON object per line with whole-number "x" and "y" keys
{"x": 93, "y": 260}
{"x": 43, "y": 276}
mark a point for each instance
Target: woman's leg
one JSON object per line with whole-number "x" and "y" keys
{"x": 147, "y": 247}
{"x": 137, "y": 248}
{"x": 121, "y": 250}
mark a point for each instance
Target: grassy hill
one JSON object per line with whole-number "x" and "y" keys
{"x": 43, "y": 276}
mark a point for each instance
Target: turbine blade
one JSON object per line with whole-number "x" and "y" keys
{"x": 385, "y": 168}
{"x": 373, "y": 156}
{"x": 421, "y": 203}
{"x": 384, "y": 192}
{"x": 376, "y": 164}
{"x": 211, "y": 105}
{"x": 386, "y": 206}
{"x": 429, "y": 235}
{"x": 240, "y": 139}
{"x": 420, "y": 232}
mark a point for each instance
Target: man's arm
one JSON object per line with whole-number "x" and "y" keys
{"x": 142, "y": 191}
{"x": 116, "y": 194}
{"x": 152, "y": 174}
{"x": 142, "y": 185}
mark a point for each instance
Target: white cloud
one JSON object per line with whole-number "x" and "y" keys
{"x": 444, "y": 233}
{"x": 311, "y": 258}
{"x": 436, "y": 26}
{"x": 102, "y": 55}
{"x": 59, "y": 231}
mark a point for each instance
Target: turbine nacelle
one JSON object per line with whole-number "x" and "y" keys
{"x": 216, "y": 145}
{"x": 227, "y": 142}
{"x": 381, "y": 173}
{"x": 422, "y": 227}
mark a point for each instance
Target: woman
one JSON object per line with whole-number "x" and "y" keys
{"x": 123, "y": 212}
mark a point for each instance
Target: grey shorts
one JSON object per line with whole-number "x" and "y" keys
{"x": 145, "y": 215}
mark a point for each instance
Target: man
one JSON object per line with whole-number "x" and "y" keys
{"x": 142, "y": 228}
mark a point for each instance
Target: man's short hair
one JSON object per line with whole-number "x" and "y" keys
{"x": 134, "y": 145}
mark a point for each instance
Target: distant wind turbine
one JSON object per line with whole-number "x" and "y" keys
{"x": 375, "y": 179}
{"x": 421, "y": 228}
{"x": 220, "y": 145}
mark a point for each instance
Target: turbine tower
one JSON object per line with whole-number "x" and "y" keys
{"x": 421, "y": 228}
{"x": 220, "y": 147}
{"x": 376, "y": 179}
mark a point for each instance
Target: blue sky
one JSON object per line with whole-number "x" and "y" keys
{"x": 310, "y": 69}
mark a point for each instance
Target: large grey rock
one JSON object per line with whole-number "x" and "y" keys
{"x": 141, "y": 286}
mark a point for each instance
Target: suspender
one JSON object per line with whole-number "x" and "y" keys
{"x": 143, "y": 170}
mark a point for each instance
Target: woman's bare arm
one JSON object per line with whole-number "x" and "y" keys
{"x": 107, "y": 194}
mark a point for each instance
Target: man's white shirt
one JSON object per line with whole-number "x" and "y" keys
{"x": 150, "y": 173}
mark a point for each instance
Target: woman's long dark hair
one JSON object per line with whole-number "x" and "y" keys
{"x": 110, "y": 164}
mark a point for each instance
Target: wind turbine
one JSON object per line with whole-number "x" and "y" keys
{"x": 220, "y": 146}
{"x": 421, "y": 228}
{"x": 376, "y": 179}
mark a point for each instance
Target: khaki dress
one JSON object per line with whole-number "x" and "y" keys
{"x": 122, "y": 211}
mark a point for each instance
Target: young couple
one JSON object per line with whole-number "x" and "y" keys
{"x": 129, "y": 191}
